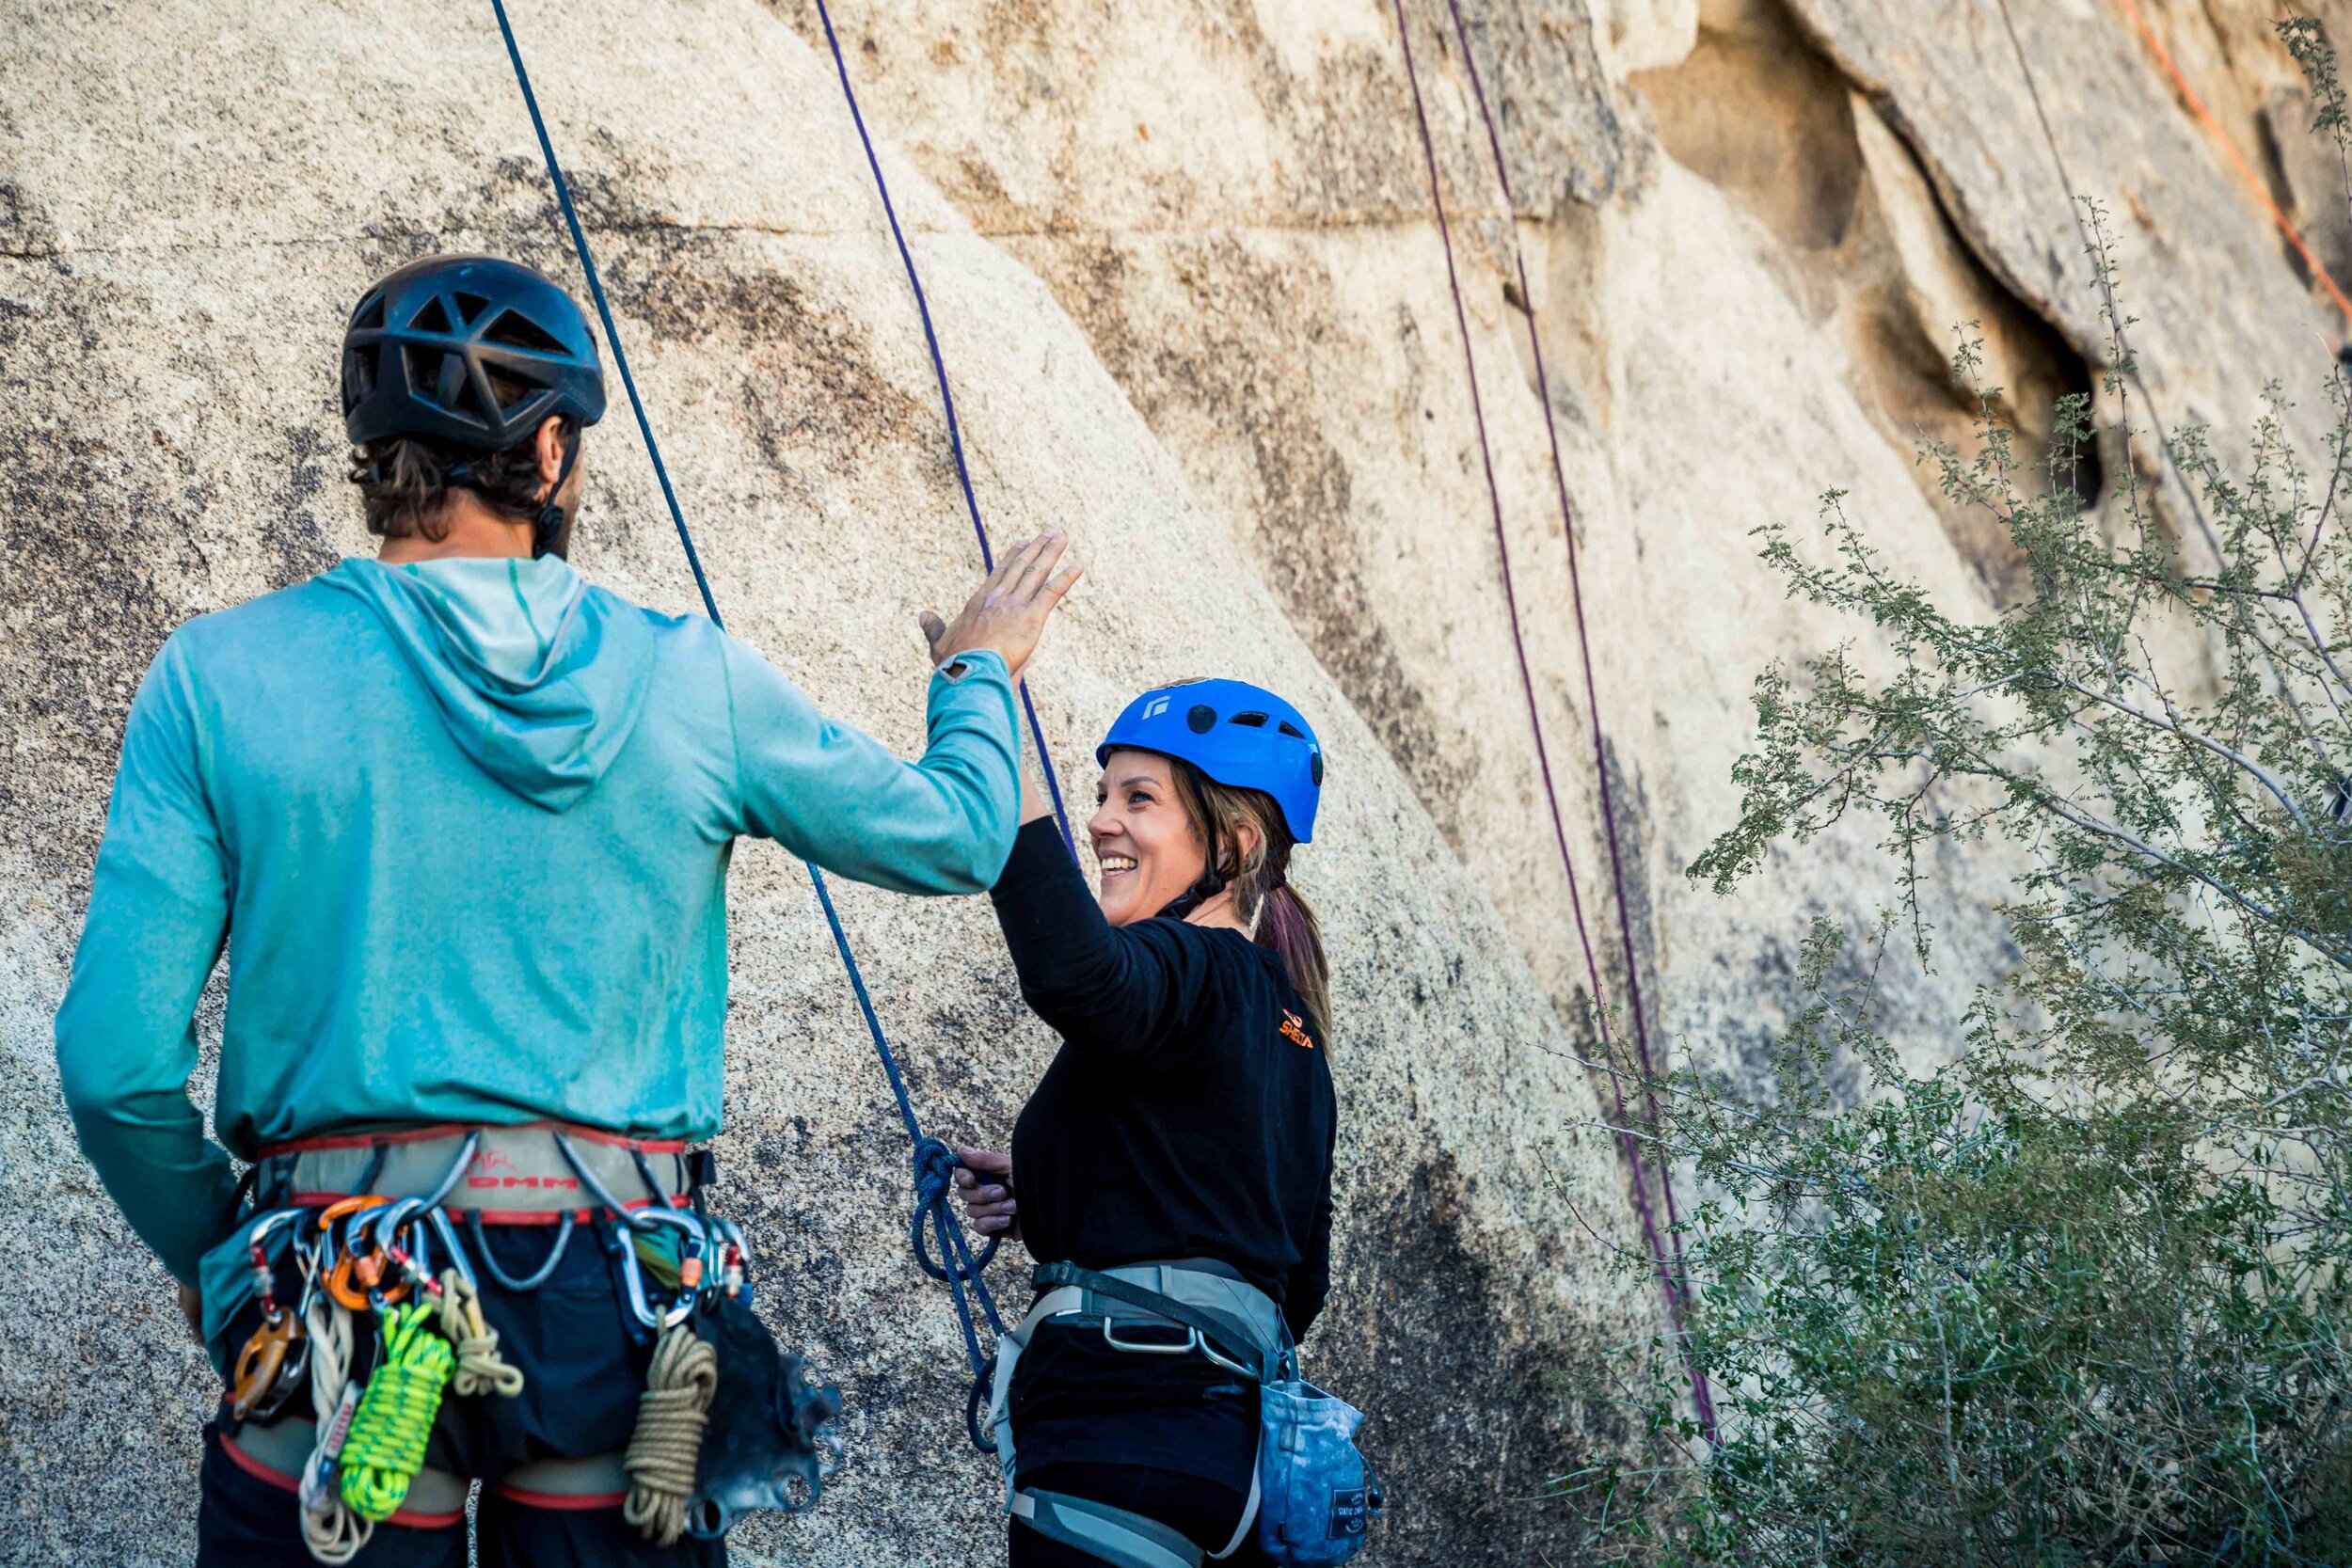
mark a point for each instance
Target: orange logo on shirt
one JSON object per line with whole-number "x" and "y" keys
{"x": 1294, "y": 1030}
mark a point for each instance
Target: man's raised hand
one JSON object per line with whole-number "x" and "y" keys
{"x": 1007, "y": 615}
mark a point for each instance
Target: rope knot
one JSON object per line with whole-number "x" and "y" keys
{"x": 935, "y": 1166}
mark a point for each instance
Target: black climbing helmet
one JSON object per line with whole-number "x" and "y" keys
{"x": 467, "y": 351}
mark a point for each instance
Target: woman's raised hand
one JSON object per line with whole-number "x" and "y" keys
{"x": 984, "y": 1185}
{"x": 1008, "y": 612}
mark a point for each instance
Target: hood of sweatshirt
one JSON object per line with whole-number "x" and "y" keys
{"x": 539, "y": 677}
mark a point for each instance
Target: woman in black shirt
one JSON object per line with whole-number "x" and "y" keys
{"x": 1188, "y": 1116}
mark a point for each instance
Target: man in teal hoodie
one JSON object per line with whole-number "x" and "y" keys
{"x": 462, "y": 821}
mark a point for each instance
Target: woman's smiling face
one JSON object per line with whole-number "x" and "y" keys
{"x": 1148, "y": 848}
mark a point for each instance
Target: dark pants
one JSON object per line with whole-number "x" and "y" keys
{"x": 584, "y": 1369}
{"x": 1203, "y": 1510}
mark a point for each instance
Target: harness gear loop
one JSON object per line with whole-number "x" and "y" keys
{"x": 480, "y": 1368}
{"x": 667, "y": 1444}
{"x": 385, "y": 1447}
{"x": 530, "y": 1281}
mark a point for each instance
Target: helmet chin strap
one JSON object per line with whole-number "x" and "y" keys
{"x": 549, "y": 522}
{"x": 1208, "y": 887}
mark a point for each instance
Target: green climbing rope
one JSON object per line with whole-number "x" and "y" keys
{"x": 386, "y": 1448}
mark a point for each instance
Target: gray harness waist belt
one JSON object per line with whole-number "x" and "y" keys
{"x": 530, "y": 1173}
{"x": 1231, "y": 1322}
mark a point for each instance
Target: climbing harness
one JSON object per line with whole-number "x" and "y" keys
{"x": 941, "y": 1247}
{"x": 392, "y": 1252}
{"x": 1312, "y": 1496}
{"x": 1665, "y": 1251}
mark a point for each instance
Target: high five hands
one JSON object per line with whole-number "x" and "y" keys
{"x": 1008, "y": 612}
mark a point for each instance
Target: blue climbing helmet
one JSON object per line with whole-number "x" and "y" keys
{"x": 469, "y": 351}
{"x": 1242, "y": 735}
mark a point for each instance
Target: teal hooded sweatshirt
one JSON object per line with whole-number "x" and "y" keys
{"x": 463, "y": 827}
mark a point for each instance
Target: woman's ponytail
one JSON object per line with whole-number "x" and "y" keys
{"x": 1272, "y": 911}
{"x": 1289, "y": 927}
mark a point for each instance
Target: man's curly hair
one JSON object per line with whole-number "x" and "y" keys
{"x": 405, "y": 484}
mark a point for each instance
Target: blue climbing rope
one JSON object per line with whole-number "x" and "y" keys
{"x": 946, "y": 397}
{"x": 935, "y": 1161}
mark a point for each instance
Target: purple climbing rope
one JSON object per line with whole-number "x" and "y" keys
{"x": 1669, "y": 1263}
{"x": 946, "y": 397}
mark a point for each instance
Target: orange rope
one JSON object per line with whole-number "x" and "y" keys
{"x": 2254, "y": 184}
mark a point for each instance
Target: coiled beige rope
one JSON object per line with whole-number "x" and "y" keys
{"x": 662, "y": 1452}
{"x": 480, "y": 1368}
{"x": 330, "y": 1529}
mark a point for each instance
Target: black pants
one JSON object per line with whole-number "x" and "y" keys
{"x": 1203, "y": 1510}
{"x": 583, "y": 1368}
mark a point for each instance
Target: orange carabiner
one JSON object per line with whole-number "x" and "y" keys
{"x": 355, "y": 1275}
{"x": 343, "y": 1206}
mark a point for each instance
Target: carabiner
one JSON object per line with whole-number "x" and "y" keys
{"x": 1190, "y": 1342}
{"x": 457, "y": 1260}
{"x": 623, "y": 1241}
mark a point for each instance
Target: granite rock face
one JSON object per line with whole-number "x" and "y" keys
{"x": 1185, "y": 270}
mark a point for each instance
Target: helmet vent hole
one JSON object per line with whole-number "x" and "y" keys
{"x": 1315, "y": 768}
{"x": 370, "y": 316}
{"x": 511, "y": 390}
{"x": 517, "y": 330}
{"x": 417, "y": 368}
{"x": 1255, "y": 721}
{"x": 1201, "y": 718}
{"x": 471, "y": 306}
{"x": 361, "y": 374}
{"x": 1291, "y": 730}
{"x": 452, "y": 389}
{"x": 432, "y": 318}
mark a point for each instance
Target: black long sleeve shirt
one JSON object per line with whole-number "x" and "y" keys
{"x": 1190, "y": 1114}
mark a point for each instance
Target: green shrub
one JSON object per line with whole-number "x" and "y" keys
{"x": 2081, "y": 1296}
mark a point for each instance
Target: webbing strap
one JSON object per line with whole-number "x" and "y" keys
{"x": 956, "y": 1261}
{"x": 1116, "y": 1535}
{"x": 599, "y": 1475}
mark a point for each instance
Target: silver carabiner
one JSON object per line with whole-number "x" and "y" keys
{"x": 626, "y": 1240}
{"x": 440, "y": 1220}
{"x": 1135, "y": 1346}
